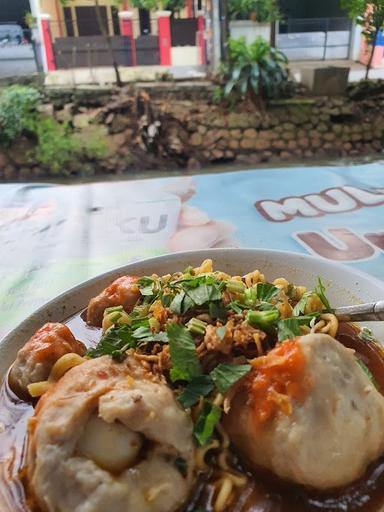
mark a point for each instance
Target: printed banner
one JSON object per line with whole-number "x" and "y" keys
{"x": 53, "y": 237}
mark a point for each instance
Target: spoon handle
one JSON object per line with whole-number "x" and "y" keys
{"x": 372, "y": 311}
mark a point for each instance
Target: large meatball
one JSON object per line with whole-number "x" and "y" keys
{"x": 109, "y": 436}
{"x": 36, "y": 358}
{"x": 309, "y": 413}
{"x": 122, "y": 292}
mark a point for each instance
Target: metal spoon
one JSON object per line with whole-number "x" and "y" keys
{"x": 371, "y": 311}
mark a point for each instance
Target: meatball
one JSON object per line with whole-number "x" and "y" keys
{"x": 122, "y": 292}
{"x": 309, "y": 413}
{"x": 36, "y": 358}
{"x": 110, "y": 436}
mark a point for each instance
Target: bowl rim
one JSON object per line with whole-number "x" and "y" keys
{"x": 174, "y": 255}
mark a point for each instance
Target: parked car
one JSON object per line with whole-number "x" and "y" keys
{"x": 11, "y": 34}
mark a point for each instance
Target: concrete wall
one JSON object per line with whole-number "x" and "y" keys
{"x": 250, "y": 30}
{"x": 185, "y": 56}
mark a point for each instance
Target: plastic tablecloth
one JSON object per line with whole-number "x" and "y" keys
{"x": 55, "y": 236}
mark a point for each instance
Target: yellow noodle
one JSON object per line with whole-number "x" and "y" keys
{"x": 196, "y": 410}
{"x": 285, "y": 309}
{"x": 259, "y": 345}
{"x": 313, "y": 304}
{"x": 201, "y": 453}
{"x": 222, "y": 276}
{"x": 331, "y": 324}
{"x": 37, "y": 389}
{"x": 219, "y": 399}
{"x": 205, "y": 267}
{"x": 318, "y": 326}
{"x": 106, "y": 323}
{"x": 63, "y": 364}
{"x": 224, "y": 436}
{"x": 154, "y": 492}
{"x": 281, "y": 283}
{"x": 222, "y": 458}
{"x": 146, "y": 358}
{"x": 238, "y": 480}
{"x": 110, "y": 319}
{"x": 299, "y": 292}
{"x": 227, "y": 404}
{"x": 224, "y": 494}
{"x": 253, "y": 278}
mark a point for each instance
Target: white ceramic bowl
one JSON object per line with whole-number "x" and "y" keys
{"x": 344, "y": 284}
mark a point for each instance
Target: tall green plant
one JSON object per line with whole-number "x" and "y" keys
{"x": 260, "y": 10}
{"x": 370, "y": 15}
{"x": 256, "y": 71}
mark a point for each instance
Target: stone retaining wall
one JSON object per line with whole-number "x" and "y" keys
{"x": 294, "y": 129}
{"x": 168, "y": 131}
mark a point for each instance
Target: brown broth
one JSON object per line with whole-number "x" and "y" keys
{"x": 262, "y": 493}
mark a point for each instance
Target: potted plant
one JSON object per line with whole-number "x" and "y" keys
{"x": 173, "y": 6}
{"x": 255, "y": 72}
{"x": 252, "y": 18}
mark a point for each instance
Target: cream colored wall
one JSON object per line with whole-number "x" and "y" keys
{"x": 185, "y": 56}
{"x": 54, "y": 9}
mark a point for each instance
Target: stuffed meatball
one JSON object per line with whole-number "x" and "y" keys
{"x": 109, "y": 436}
{"x": 122, "y": 292}
{"x": 36, "y": 358}
{"x": 309, "y": 413}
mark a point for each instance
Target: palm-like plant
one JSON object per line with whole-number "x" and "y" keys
{"x": 256, "y": 71}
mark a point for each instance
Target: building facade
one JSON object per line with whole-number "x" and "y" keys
{"x": 76, "y": 32}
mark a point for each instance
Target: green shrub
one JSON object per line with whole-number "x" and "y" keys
{"x": 365, "y": 89}
{"x": 17, "y": 108}
{"x": 256, "y": 71}
{"x": 259, "y": 10}
{"x": 59, "y": 147}
{"x": 56, "y": 146}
